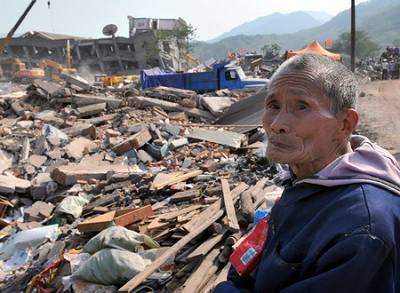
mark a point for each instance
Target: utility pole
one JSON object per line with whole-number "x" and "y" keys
{"x": 353, "y": 35}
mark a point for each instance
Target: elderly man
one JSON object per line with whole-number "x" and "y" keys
{"x": 337, "y": 225}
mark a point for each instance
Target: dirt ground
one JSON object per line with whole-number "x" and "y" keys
{"x": 380, "y": 114}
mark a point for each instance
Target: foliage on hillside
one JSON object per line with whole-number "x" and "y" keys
{"x": 364, "y": 45}
{"x": 380, "y": 19}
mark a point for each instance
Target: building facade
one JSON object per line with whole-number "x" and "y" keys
{"x": 109, "y": 55}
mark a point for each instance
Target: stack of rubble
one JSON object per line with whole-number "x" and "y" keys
{"x": 79, "y": 168}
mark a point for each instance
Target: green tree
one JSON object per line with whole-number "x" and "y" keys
{"x": 271, "y": 51}
{"x": 184, "y": 35}
{"x": 365, "y": 46}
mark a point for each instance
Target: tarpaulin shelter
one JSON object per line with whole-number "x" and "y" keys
{"x": 155, "y": 77}
{"x": 315, "y": 48}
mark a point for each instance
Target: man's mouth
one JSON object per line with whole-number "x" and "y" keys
{"x": 279, "y": 143}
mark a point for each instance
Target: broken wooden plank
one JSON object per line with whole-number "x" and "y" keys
{"x": 214, "y": 208}
{"x": 118, "y": 185}
{"x": 4, "y": 204}
{"x": 171, "y": 252}
{"x": 157, "y": 224}
{"x": 173, "y": 215}
{"x": 257, "y": 190}
{"x": 208, "y": 286}
{"x": 123, "y": 217}
{"x": 247, "y": 206}
{"x": 186, "y": 195}
{"x": 221, "y": 277}
{"x": 97, "y": 223}
{"x": 199, "y": 278}
{"x": 102, "y": 201}
{"x": 206, "y": 246}
{"x": 100, "y": 210}
{"x": 187, "y": 217}
{"x": 228, "y": 138}
{"x": 162, "y": 235}
{"x": 135, "y": 141}
{"x": 128, "y": 216}
{"x": 229, "y": 207}
{"x": 160, "y": 204}
{"x": 175, "y": 179}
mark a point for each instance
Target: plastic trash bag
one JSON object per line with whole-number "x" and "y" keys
{"x": 119, "y": 237}
{"x": 72, "y": 205}
{"x": 111, "y": 267}
{"x": 27, "y": 239}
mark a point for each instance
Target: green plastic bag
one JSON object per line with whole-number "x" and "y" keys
{"x": 111, "y": 267}
{"x": 119, "y": 237}
{"x": 72, "y": 205}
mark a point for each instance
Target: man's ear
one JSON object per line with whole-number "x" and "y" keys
{"x": 349, "y": 120}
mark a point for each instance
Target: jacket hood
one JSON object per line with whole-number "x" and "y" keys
{"x": 368, "y": 163}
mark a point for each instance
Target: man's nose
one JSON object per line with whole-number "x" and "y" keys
{"x": 280, "y": 123}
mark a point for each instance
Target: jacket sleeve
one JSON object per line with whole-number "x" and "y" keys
{"x": 357, "y": 263}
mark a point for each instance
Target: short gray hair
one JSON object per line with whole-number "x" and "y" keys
{"x": 337, "y": 82}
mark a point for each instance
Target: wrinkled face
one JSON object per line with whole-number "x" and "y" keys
{"x": 297, "y": 120}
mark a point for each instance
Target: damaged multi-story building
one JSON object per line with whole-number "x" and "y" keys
{"x": 151, "y": 42}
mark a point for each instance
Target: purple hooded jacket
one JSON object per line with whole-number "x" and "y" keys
{"x": 337, "y": 231}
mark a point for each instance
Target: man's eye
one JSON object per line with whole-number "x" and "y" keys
{"x": 272, "y": 106}
{"x": 302, "y": 107}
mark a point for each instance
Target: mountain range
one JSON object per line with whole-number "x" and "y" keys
{"x": 277, "y": 23}
{"x": 379, "y": 18}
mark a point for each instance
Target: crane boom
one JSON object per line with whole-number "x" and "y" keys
{"x": 7, "y": 40}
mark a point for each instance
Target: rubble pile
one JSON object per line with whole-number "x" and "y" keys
{"x": 122, "y": 190}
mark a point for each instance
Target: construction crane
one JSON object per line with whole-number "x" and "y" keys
{"x": 7, "y": 40}
{"x": 14, "y": 69}
{"x": 53, "y": 69}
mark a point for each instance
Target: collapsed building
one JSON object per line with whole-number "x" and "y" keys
{"x": 151, "y": 43}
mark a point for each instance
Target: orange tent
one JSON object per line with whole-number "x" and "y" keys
{"x": 315, "y": 48}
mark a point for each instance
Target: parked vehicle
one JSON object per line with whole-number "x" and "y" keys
{"x": 14, "y": 69}
{"x": 104, "y": 80}
{"x": 222, "y": 76}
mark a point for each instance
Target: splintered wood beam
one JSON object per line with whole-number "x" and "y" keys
{"x": 212, "y": 209}
{"x": 171, "y": 252}
{"x": 221, "y": 277}
{"x": 176, "y": 179}
{"x": 206, "y": 246}
{"x": 233, "y": 223}
{"x": 204, "y": 272}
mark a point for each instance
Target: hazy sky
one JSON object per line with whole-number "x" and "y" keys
{"x": 211, "y": 17}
